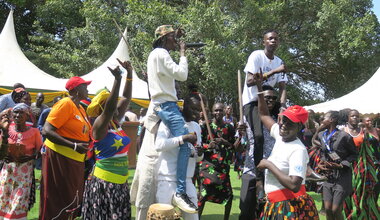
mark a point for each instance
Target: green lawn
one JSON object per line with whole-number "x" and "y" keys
{"x": 211, "y": 211}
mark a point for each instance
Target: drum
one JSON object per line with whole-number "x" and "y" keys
{"x": 159, "y": 211}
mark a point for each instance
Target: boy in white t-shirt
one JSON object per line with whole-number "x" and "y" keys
{"x": 273, "y": 73}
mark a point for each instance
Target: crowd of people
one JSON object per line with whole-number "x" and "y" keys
{"x": 185, "y": 153}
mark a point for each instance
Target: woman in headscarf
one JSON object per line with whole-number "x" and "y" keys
{"x": 106, "y": 193}
{"x": 21, "y": 145}
{"x": 67, "y": 131}
{"x": 362, "y": 203}
{"x": 20, "y": 95}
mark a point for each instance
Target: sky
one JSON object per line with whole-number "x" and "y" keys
{"x": 376, "y": 8}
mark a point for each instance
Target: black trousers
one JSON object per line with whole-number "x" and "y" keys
{"x": 248, "y": 201}
{"x": 252, "y": 116}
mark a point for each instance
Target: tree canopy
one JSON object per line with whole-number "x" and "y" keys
{"x": 330, "y": 47}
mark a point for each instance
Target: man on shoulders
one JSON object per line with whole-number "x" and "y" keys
{"x": 273, "y": 69}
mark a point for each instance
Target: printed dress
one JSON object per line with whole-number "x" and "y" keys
{"x": 361, "y": 204}
{"x": 17, "y": 193}
{"x": 214, "y": 169}
{"x": 106, "y": 194}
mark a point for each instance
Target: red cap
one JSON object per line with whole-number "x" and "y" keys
{"x": 75, "y": 81}
{"x": 296, "y": 114}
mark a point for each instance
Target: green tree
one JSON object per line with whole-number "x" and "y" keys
{"x": 323, "y": 42}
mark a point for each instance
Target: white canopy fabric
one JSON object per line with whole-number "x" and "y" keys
{"x": 102, "y": 77}
{"x": 16, "y": 68}
{"x": 363, "y": 99}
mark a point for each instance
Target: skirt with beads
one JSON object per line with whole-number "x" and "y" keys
{"x": 105, "y": 200}
{"x": 300, "y": 208}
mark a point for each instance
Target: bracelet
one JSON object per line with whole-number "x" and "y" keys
{"x": 129, "y": 79}
{"x": 75, "y": 146}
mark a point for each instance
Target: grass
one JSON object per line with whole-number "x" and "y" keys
{"x": 211, "y": 211}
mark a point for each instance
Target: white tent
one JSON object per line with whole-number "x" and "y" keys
{"x": 102, "y": 77}
{"x": 363, "y": 99}
{"x": 16, "y": 68}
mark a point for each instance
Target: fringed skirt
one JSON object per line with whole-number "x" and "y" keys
{"x": 300, "y": 208}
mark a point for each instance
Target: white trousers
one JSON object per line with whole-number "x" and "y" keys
{"x": 166, "y": 190}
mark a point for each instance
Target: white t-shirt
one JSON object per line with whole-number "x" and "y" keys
{"x": 168, "y": 147}
{"x": 258, "y": 60}
{"x": 162, "y": 73}
{"x": 290, "y": 157}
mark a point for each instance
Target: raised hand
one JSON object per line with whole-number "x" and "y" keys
{"x": 126, "y": 65}
{"x": 116, "y": 72}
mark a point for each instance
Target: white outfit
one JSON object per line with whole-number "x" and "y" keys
{"x": 162, "y": 73}
{"x": 168, "y": 148}
{"x": 258, "y": 60}
{"x": 142, "y": 190}
{"x": 290, "y": 157}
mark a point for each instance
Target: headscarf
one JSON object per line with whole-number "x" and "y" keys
{"x": 17, "y": 94}
{"x": 96, "y": 106}
{"x": 21, "y": 106}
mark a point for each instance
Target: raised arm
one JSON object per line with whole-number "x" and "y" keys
{"x": 282, "y": 93}
{"x": 101, "y": 123}
{"x": 127, "y": 92}
{"x": 265, "y": 117}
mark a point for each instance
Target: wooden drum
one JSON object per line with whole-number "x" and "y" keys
{"x": 159, "y": 211}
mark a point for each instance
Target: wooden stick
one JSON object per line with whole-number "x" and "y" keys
{"x": 126, "y": 42}
{"x": 206, "y": 118}
{"x": 240, "y": 99}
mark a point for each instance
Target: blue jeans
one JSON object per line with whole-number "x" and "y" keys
{"x": 173, "y": 119}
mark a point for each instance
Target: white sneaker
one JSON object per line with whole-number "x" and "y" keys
{"x": 183, "y": 202}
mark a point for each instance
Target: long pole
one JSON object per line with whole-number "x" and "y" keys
{"x": 206, "y": 118}
{"x": 126, "y": 42}
{"x": 240, "y": 99}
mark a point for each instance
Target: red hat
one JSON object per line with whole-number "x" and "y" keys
{"x": 75, "y": 81}
{"x": 296, "y": 114}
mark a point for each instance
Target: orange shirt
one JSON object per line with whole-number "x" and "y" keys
{"x": 70, "y": 121}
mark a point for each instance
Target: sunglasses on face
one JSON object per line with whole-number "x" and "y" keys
{"x": 268, "y": 97}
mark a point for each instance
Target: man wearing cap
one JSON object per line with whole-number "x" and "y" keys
{"x": 162, "y": 73}
{"x": 67, "y": 131}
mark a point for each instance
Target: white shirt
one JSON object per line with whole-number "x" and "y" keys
{"x": 168, "y": 148}
{"x": 290, "y": 157}
{"x": 162, "y": 73}
{"x": 258, "y": 60}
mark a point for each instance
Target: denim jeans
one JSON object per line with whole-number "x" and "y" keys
{"x": 173, "y": 119}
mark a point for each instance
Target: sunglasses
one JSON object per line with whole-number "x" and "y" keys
{"x": 270, "y": 97}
